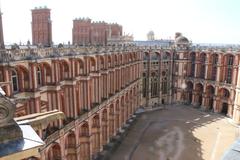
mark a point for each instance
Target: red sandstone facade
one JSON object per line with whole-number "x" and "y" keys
{"x": 41, "y": 27}
{"x": 97, "y": 92}
{"x": 99, "y": 89}
{"x": 85, "y": 32}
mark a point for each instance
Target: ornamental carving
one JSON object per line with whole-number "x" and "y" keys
{"x": 7, "y": 110}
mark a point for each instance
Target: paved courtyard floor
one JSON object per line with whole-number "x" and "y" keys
{"x": 177, "y": 133}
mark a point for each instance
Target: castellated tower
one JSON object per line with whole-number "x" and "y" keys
{"x": 41, "y": 27}
{"x": 81, "y": 31}
{"x": 1, "y": 32}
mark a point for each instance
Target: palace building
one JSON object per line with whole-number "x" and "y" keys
{"x": 78, "y": 98}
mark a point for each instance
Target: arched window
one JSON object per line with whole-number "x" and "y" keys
{"x": 230, "y": 60}
{"x": 14, "y": 81}
{"x": 144, "y": 88}
{"x": 193, "y": 57}
{"x": 225, "y": 93}
{"x": 154, "y": 86}
{"x": 39, "y": 77}
{"x": 229, "y": 70}
{"x": 202, "y": 67}
{"x": 214, "y": 66}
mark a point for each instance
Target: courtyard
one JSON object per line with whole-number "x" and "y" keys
{"x": 177, "y": 133}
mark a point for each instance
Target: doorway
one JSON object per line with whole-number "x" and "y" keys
{"x": 211, "y": 104}
{"x": 224, "y": 108}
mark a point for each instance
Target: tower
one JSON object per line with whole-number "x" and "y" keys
{"x": 1, "y": 32}
{"x": 81, "y": 31}
{"x": 150, "y": 36}
{"x": 41, "y": 26}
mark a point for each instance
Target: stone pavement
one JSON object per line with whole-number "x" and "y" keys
{"x": 177, "y": 133}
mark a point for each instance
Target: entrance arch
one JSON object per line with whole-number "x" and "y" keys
{"x": 189, "y": 92}
{"x": 84, "y": 138}
{"x": 54, "y": 152}
{"x": 71, "y": 146}
{"x": 210, "y": 97}
{"x": 224, "y": 97}
{"x": 199, "y": 92}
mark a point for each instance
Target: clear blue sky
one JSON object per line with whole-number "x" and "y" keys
{"x": 205, "y": 21}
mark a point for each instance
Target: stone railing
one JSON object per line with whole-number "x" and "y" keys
{"x": 8, "y": 55}
{"x": 38, "y": 53}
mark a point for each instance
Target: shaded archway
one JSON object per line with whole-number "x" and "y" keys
{"x": 210, "y": 90}
{"x": 192, "y": 64}
{"x": 198, "y": 94}
{"x": 23, "y": 78}
{"x": 84, "y": 140}
{"x": 111, "y": 120}
{"x": 92, "y": 64}
{"x": 95, "y": 135}
{"x": 202, "y": 65}
{"x": 64, "y": 70}
{"x": 224, "y": 98}
{"x": 47, "y": 73}
{"x": 79, "y": 67}
{"x": 117, "y": 115}
{"x": 104, "y": 127}
{"x": 214, "y": 66}
{"x": 54, "y": 153}
{"x": 70, "y": 147}
{"x": 189, "y": 90}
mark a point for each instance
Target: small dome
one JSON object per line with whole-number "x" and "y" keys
{"x": 150, "y": 32}
{"x": 180, "y": 39}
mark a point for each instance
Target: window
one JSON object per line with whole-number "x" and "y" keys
{"x": 193, "y": 64}
{"x": 215, "y": 59}
{"x": 164, "y": 87}
{"x": 229, "y": 75}
{"x": 230, "y": 60}
{"x": 154, "y": 87}
{"x": 39, "y": 77}
{"x": 144, "y": 87}
{"x": 225, "y": 93}
{"x": 214, "y": 73}
{"x": 14, "y": 81}
{"x": 202, "y": 72}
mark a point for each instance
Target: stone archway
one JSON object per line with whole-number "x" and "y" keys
{"x": 54, "y": 153}
{"x": 189, "y": 92}
{"x": 70, "y": 147}
{"x": 84, "y": 138}
{"x": 95, "y": 135}
{"x": 104, "y": 127}
{"x": 198, "y": 94}
{"x": 224, "y": 95}
{"x": 210, "y": 90}
{"x": 224, "y": 108}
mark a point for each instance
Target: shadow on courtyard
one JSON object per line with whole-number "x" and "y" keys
{"x": 166, "y": 135}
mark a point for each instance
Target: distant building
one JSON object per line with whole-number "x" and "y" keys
{"x": 160, "y": 43}
{"x": 81, "y": 31}
{"x": 41, "y": 26}
{"x": 150, "y": 36}
{"x": 86, "y": 32}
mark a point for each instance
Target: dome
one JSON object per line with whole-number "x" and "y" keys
{"x": 181, "y": 40}
{"x": 150, "y": 32}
